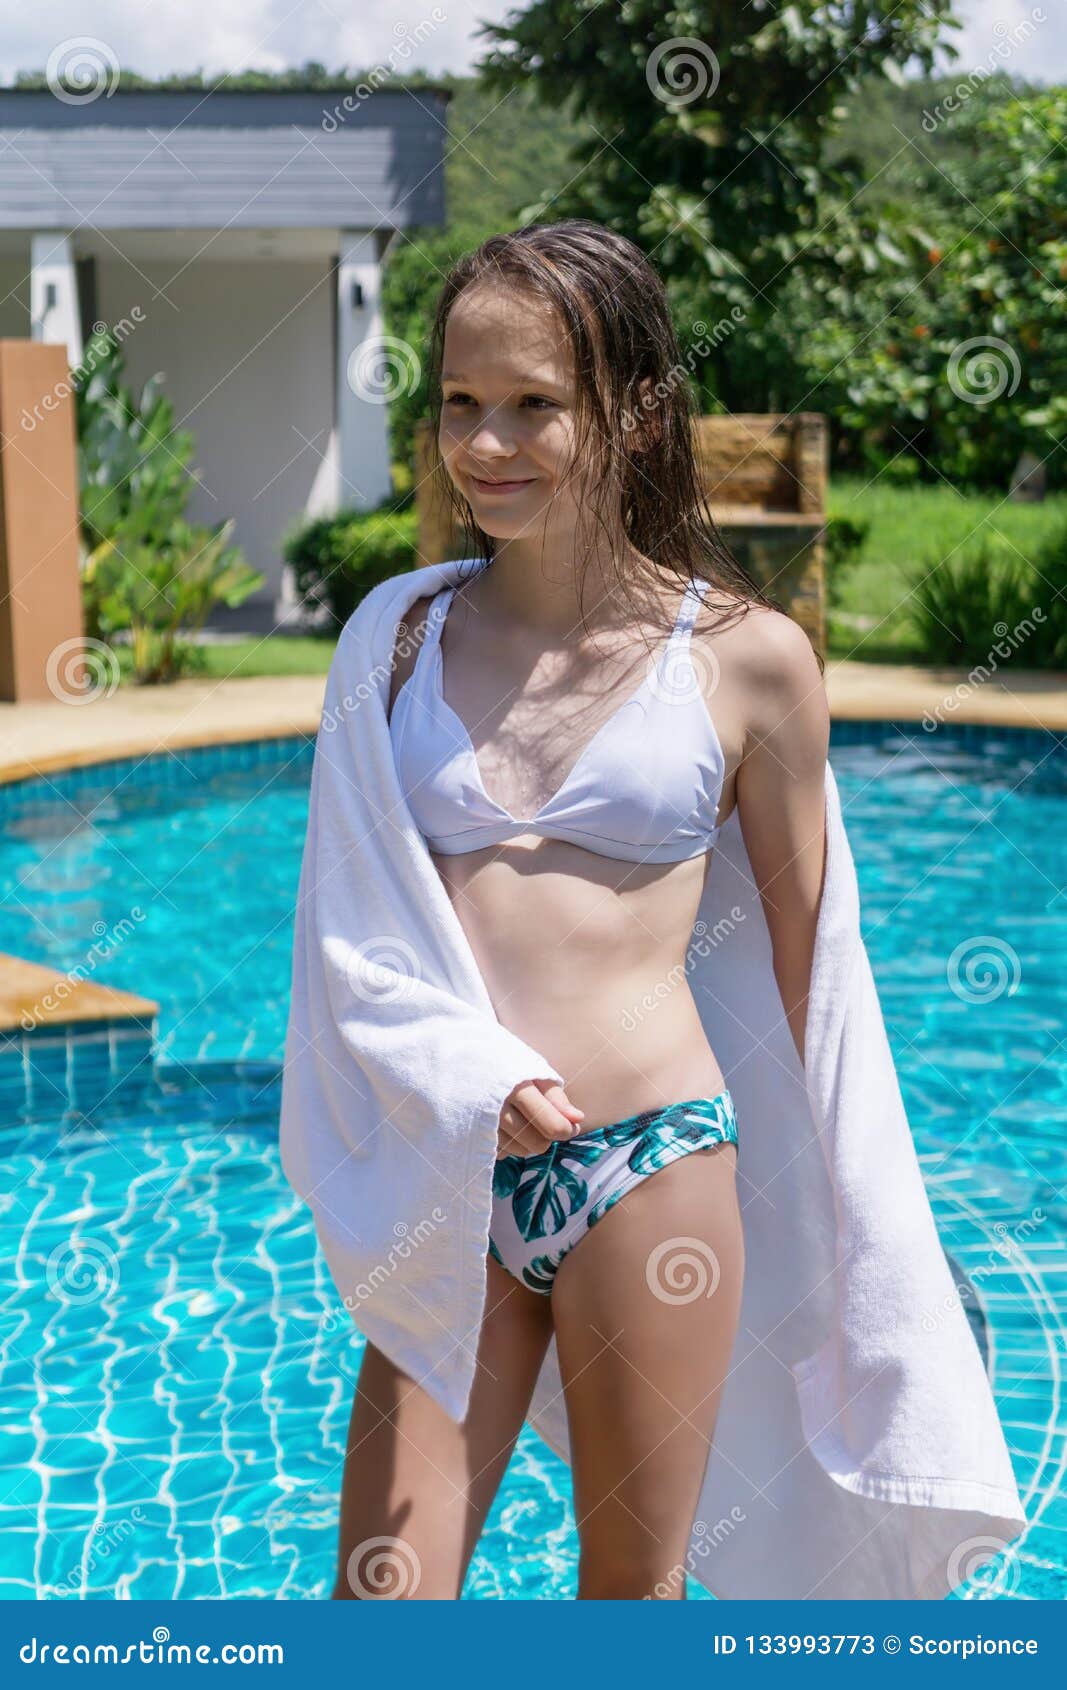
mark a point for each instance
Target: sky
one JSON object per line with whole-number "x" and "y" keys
{"x": 429, "y": 35}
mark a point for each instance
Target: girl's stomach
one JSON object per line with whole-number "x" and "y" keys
{"x": 583, "y": 957}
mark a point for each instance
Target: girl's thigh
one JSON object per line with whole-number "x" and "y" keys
{"x": 645, "y": 1307}
{"x": 417, "y": 1487}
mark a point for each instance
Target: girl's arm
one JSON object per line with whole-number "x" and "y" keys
{"x": 781, "y": 800}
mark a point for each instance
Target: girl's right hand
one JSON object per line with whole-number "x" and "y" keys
{"x": 536, "y": 1114}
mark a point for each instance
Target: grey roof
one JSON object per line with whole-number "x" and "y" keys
{"x": 172, "y": 159}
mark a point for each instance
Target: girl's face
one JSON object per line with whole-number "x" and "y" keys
{"x": 508, "y": 424}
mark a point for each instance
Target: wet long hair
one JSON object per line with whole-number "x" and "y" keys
{"x": 614, "y": 309}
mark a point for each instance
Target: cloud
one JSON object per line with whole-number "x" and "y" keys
{"x": 230, "y": 36}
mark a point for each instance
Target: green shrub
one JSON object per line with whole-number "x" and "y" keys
{"x": 1050, "y": 594}
{"x": 990, "y": 602}
{"x": 149, "y": 572}
{"x": 843, "y": 540}
{"x": 336, "y": 560}
{"x": 159, "y": 590}
{"x": 131, "y": 457}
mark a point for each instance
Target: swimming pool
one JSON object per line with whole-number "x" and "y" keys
{"x": 175, "y": 1372}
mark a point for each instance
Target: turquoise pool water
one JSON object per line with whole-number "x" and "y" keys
{"x": 175, "y": 1374}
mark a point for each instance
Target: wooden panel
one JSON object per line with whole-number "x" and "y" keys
{"x": 774, "y": 463}
{"x": 40, "y": 588}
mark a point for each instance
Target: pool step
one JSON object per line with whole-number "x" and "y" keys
{"x": 66, "y": 1040}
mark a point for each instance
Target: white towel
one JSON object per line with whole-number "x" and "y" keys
{"x": 858, "y": 1452}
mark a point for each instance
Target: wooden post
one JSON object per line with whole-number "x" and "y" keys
{"x": 40, "y": 589}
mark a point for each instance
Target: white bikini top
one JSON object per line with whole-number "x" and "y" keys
{"x": 645, "y": 789}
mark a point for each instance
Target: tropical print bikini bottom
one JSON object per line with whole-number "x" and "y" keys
{"x": 544, "y": 1204}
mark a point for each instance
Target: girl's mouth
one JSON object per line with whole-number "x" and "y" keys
{"x": 498, "y": 487}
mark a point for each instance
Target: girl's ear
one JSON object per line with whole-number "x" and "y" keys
{"x": 644, "y": 422}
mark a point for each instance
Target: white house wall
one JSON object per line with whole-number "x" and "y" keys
{"x": 246, "y": 351}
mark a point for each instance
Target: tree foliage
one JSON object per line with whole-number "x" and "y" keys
{"x": 957, "y": 367}
{"x": 707, "y": 142}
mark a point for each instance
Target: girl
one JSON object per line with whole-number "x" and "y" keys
{"x": 571, "y": 729}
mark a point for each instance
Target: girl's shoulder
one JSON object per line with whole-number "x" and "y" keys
{"x": 755, "y": 637}
{"x": 762, "y": 672}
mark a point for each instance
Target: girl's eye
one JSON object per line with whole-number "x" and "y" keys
{"x": 536, "y": 399}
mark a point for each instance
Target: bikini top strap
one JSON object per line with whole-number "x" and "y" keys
{"x": 441, "y": 604}
{"x": 436, "y": 612}
{"x": 691, "y": 602}
{"x": 430, "y": 639}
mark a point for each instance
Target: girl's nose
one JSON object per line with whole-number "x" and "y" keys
{"x": 487, "y": 438}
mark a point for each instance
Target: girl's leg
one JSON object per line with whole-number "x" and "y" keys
{"x": 417, "y": 1488}
{"x": 643, "y": 1351}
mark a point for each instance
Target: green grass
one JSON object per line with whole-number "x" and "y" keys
{"x": 278, "y": 654}
{"x": 909, "y": 526}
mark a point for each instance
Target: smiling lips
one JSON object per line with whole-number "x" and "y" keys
{"x": 500, "y": 486}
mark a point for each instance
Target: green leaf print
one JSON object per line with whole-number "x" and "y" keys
{"x": 586, "y": 1149}
{"x": 668, "y": 1139}
{"x": 506, "y": 1175}
{"x": 540, "y": 1274}
{"x": 655, "y": 1149}
{"x": 545, "y": 1199}
{"x": 601, "y": 1207}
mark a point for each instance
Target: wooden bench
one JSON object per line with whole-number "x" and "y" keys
{"x": 764, "y": 477}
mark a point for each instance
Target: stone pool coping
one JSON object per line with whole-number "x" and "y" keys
{"x": 34, "y": 995}
{"x": 38, "y": 739}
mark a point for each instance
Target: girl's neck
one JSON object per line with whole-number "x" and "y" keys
{"x": 528, "y": 583}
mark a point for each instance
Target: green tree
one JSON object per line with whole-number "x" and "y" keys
{"x": 707, "y": 142}
{"x": 954, "y": 370}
